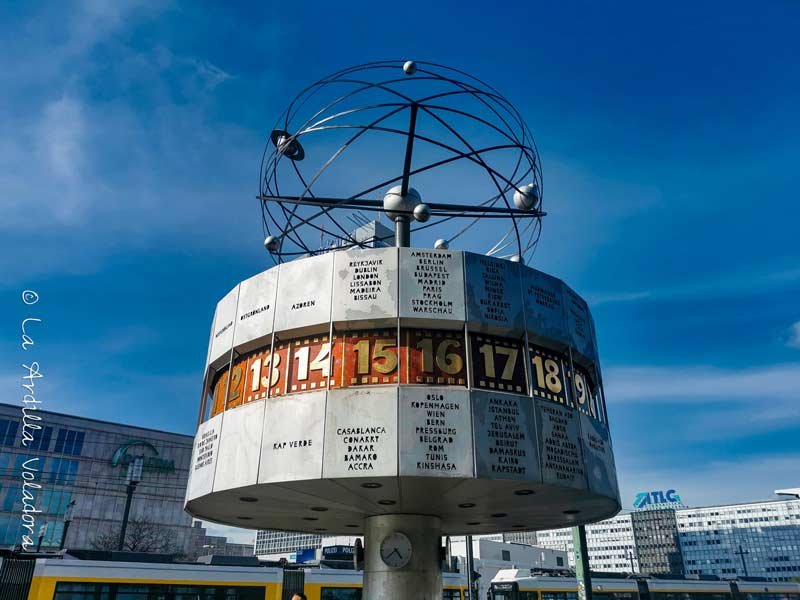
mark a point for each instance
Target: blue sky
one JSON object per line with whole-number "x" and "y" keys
{"x": 669, "y": 137}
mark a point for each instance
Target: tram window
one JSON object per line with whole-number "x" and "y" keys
{"x": 451, "y": 595}
{"x": 772, "y": 596}
{"x": 124, "y": 591}
{"x": 528, "y": 595}
{"x": 559, "y": 595}
{"x": 614, "y": 596}
{"x": 340, "y": 594}
{"x": 82, "y": 591}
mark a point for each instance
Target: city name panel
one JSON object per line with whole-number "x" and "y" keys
{"x": 402, "y": 380}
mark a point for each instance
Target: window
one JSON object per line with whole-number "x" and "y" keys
{"x": 126, "y": 591}
{"x": 451, "y": 595}
{"x": 505, "y": 555}
{"x": 328, "y": 593}
{"x": 41, "y": 439}
{"x": 559, "y": 595}
{"x": 63, "y": 471}
{"x": 69, "y": 442}
{"x": 559, "y": 561}
{"x": 8, "y": 431}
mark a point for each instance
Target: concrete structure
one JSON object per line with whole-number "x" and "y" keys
{"x": 760, "y": 539}
{"x": 85, "y": 461}
{"x": 490, "y": 557}
{"x": 202, "y": 544}
{"x": 402, "y": 380}
{"x": 273, "y": 545}
{"x": 81, "y": 460}
{"x": 611, "y": 544}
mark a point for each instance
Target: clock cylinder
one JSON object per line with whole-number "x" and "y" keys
{"x": 416, "y": 579}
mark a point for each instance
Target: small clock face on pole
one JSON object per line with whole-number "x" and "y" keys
{"x": 396, "y": 550}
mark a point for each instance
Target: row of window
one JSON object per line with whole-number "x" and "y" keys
{"x": 125, "y": 591}
{"x": 68, "y": 441}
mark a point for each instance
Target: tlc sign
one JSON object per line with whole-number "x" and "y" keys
{"x": 644, "y": 499}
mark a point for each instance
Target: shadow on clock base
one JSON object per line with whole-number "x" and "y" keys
{"x": 401, "y": 557}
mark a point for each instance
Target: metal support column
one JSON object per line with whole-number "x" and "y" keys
{"x": 470, "y": 568}
{"x": 582, "y": 569}
{"x": 421, "y": 578}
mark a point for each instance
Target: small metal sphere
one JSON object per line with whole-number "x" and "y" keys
{"x": 397, "y": 206}
{"x": 409, "y": 67}
{"x": 422, "y": 212}
{"x": 527, "y": 197}
{"x": 272, "y": 243}
{"x": 517, "y": 259}
{"x": 441, "y": 244}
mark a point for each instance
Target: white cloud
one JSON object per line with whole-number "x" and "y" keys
{"x": 715, "y": 482}
{"x": 688, "y": 384}
{"x": 727, "y": 284}
{"x": 794, "y": 336}
{"x": 62, "y": 132}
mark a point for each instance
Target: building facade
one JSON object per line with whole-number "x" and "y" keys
{"x": 202, "y": 544}
{"x": 612, "y": 546}
{"x": 760, "y": 539}
{"x": 757, "y": 539}
{"x": 77, "y": 467}
{"x": 270, "y": 544}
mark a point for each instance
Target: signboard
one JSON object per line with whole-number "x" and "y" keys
{"x": 370, "y": 358}
{"x": 579, "y": 324}
{"x": 600, "y": 469}
{"x": 432, "y": 286}
{"x": 433, "y": 357}
{"x": 256, "y": 309}
{"x": 361, "y": 433}
{"x": 505, "y": 437}
{"x": 494, "y": 301}
{"x": 204, "y": 458}
{"x": 365, "y": 287}
{"x": 435, "y": 432}
{"x": 291, "y": 447}
{"x": 497, "y": 364}
{"x": 222, "y": 336}
{"x": 239, "y": 447}
{"x": 153, "y": 463}
{"x": 545, "y": 313}
{"x": 560, "y": 445}
{"x": 304, "y": 294}
{"x": 657, "y": 499}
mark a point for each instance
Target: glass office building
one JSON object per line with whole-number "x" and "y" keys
{"x": 80, "y": 466}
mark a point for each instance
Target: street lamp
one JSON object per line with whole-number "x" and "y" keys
{"x": 42, "y": 533}
{"x": 67, "y": 521}
{"x": 134, "y": 477}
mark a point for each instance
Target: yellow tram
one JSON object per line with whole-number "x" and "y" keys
{"x": 520, "y": 584}
{"x": 64, "y": 579}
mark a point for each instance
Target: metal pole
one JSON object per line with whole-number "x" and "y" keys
{"x": 402, "y": 232}
{"x": 64, "y": 535}
{"x": 420, "y": 577}
{"x": 131, "y": 487}
{"x": 741, "y": 554}
{"x": 582, "y": 569}
{"x": 470, "y": 568}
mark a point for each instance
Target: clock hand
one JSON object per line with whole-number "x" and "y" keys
{"x": 400, "y": 556}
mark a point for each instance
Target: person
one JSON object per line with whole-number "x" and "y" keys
{"x": 299, "y": 596}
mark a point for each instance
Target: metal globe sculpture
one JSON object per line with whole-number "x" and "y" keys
{"x": 356, "y": 140}
{"x": 365, "y": 385}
